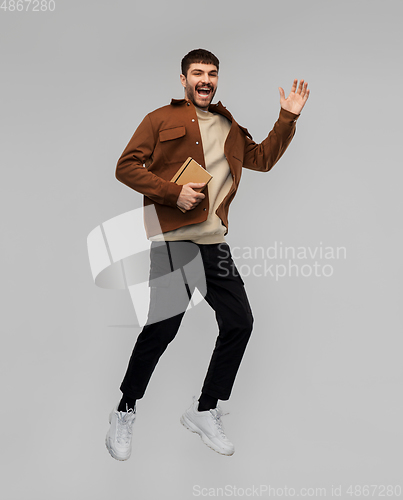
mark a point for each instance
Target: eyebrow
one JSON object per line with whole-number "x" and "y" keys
{"x": 201, "y": 71}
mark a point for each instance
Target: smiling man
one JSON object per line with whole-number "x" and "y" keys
{"x": 208, "y": 133}
{"x": 200, "y": 84}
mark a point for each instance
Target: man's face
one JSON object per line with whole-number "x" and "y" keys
{"x": 200, "y": 84}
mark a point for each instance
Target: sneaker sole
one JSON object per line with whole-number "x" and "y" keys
{"x": 192, "y": 428}
{"x": 111, "y": 452}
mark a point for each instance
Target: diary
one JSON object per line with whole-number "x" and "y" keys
{"x": 191, "y": 171}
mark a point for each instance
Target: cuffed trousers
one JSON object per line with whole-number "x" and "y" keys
{"x": 174, "y": 274}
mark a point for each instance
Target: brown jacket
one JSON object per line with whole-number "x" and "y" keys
{"x": 169, "y": 135}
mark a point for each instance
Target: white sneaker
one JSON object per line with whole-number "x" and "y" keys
{"x": 119, "y": 437}
{"x": 209, "y": 427}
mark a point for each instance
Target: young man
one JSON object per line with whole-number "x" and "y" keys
{"x": 207, "y": 132}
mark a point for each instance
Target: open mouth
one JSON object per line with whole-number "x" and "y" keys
{"x": 204, "y": 92}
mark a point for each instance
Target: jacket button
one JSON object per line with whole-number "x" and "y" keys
{"x": 204, "y": 209}
{"x": 193, "y": 119}
{"x": 197, "y": 142}
{"x": 188, "y": 103}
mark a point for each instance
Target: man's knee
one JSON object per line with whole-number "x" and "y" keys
{"x": 246, "y": 323}
{"x": 250, "y": 321}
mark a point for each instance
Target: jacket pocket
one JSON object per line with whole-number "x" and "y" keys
{"x": 172, "y": 145}
{"x": 172, "y": 133}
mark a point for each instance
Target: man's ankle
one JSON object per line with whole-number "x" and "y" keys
{"x": 207, "y": 402}
{"x": 126, "y": 404}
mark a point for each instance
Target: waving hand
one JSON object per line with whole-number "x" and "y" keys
{"x": 297, "y": 97}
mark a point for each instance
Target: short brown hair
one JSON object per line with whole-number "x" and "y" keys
{"x": 198, "y": 56}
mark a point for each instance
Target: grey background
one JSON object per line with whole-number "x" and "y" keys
{"x": 318, "y": 398}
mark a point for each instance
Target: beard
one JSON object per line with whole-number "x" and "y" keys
{"x": 193, "y": 96}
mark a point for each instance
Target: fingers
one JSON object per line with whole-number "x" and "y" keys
{"x": 193, "y": 202}
{"x": 195, "y": 184}
{"x": 305, "y": 91}
{"x": 196, "y": 196}
{"x": 302, "y": 88}
{"x": 189, "y": 198}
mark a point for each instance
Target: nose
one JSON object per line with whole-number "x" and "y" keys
{"x": 206, "y": 78}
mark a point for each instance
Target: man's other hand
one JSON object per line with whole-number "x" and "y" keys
{"x": 296, "y": 99}
{"x": 188, "y": 197}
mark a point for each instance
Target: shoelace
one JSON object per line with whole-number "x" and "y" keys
{"x": 217, "y": 413}
{"x": 124, "y": 426}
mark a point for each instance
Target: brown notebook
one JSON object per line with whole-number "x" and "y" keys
{"x": 191, "y": 171}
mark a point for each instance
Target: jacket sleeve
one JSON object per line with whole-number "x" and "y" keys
{"x": 264, "y": 156}
{"x": 131, "y": 167}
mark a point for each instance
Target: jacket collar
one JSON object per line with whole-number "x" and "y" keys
{"x": 178, "y": 101}
{"x": 214, "y": 108}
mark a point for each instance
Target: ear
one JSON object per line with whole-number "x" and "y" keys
{"x": 183, "y": 80}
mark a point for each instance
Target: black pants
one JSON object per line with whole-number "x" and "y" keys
{"x": 177, "y": 268}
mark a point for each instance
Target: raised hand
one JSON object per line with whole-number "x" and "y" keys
{"x": 297, "y": 97}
